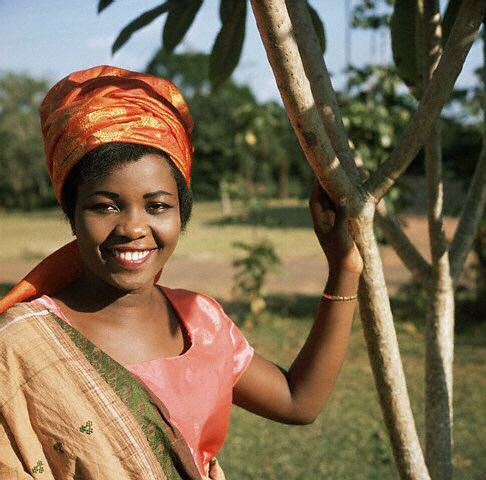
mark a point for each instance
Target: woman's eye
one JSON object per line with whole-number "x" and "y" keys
{"x": 104, "y": 208}
{"x": 158, "y": 207}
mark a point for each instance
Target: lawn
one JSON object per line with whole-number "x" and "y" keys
{"x": 349, "y": 440}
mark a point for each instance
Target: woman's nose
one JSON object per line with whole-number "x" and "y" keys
{"x": 132, "y": 225}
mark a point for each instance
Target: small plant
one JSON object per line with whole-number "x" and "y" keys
{"x": 259, "y": 259}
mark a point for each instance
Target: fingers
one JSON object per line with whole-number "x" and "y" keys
{"x": 320, "y": 196}
{"x": 341, "y": 211}
{"x": 325, "y": 212}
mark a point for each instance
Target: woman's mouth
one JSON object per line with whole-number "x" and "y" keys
{"x": 131, "y": 258}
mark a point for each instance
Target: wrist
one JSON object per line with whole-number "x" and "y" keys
{"x": 342, "y": 282}
{"x": 349, "y": 262}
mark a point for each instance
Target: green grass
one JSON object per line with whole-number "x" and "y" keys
{"x": 349, "y": 439}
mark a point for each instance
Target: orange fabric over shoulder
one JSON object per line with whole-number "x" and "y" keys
{"x": 90, "y": 108}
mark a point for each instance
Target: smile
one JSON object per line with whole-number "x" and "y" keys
{"x": 131, "y": 258}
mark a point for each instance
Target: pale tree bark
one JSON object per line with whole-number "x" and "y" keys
{"x": 439, "y": 325}
{"x": 276, "y": 31}
{"x": 323, "y": 93}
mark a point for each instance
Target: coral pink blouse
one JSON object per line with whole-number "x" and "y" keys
{"x": 196, "y": 386}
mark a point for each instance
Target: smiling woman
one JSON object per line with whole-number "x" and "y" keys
{"x": 130, "y": 379}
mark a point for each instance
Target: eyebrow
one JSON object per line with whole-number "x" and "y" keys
{"x": 157, "y": 193}
{"x": 113, "y": 195}
{"x": 105, "y": 193}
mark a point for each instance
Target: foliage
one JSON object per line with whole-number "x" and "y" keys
{"x": 24, "y": 182}
{"x": 237, "y": 140}
{"x": 227, "y": 47}
{"x": 407, "y": 36}
{"x": 372, "y": 14}
{"x": 259, "y": 259}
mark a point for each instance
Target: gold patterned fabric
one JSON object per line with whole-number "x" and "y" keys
{"x": 69, "y": 411}
{"x": 107, "y": 104}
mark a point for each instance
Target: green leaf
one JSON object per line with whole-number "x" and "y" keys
{"x": 140, "y": 22}
{"x": 319, "y": 28}
{"x": 228, "y": 45}
{"x": 450, "y": 16}
{"x": 180, "y": 18}
{"x": 102, "y": 4}
{"x": 406, "y": 28}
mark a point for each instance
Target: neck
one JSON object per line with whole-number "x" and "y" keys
{"x": 88, "y": 294}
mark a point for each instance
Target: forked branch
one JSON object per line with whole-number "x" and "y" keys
{"x": 404, "y": 248}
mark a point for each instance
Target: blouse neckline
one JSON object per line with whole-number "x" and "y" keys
{"x": 187, "y": 332}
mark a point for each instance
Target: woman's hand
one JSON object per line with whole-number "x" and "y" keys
{"x": 331, "y": 228}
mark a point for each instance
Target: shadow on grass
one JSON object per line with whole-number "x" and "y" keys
{"x": 295, "y": 306}
{"x": 410, "y": 304}
{"x": 270, "y": 217}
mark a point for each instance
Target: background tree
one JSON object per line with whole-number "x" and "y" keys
{"x": 24, "y": 182}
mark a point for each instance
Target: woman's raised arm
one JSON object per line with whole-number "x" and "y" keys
{"x": 297, "y": 396}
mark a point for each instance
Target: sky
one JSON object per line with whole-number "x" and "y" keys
{"x": 52, "y": 38}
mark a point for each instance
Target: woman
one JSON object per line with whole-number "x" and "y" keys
{"x": 104, "y": 373}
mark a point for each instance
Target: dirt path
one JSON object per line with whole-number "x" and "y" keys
{"x": 304, "y": 275}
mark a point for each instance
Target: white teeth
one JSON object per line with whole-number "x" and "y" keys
{"x": 132, "y": 256}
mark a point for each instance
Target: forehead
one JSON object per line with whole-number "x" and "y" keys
{"x": 149, "y": 172}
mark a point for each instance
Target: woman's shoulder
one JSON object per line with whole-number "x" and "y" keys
{"x": 18, "y": 312}
{"x": 190, "y": 296}
{"x": 197, "y": 307}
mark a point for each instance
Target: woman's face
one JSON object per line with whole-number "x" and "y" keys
{"x": 128, "y": 223}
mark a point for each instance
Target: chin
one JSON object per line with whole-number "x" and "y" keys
{"x": 129, "y": 285}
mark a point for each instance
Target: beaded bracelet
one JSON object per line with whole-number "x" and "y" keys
{"x": 339, "y": 298}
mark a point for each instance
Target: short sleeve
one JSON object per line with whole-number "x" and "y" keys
{"x": 242, "y": 351}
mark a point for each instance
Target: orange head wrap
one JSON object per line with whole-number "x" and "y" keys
{"x": 90, "y": 108}
{"x": 108, "y": 104}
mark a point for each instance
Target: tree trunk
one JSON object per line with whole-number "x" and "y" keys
{"x": 385, "y": 359}
{"x": 439, "y": 330}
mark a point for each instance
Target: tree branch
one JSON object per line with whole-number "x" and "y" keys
{"x": 278, "y": 39}
{"x": 462, "y": 36}
{"x": 470, "y": 217}
{"x": 384, "y": 356}
{"x": 474, "y": 205}
{"x": 320, "y": 83}
{"x": 402, "y": 245}
{"x": 439, "y": 331}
